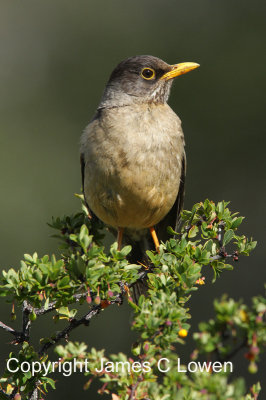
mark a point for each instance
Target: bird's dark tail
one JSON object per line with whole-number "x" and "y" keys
{"x": 138, "y": 256}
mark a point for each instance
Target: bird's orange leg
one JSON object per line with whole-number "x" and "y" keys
{"x": 155, "y": 238}
{"x": 119, "y": 238}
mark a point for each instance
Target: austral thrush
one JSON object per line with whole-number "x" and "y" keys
{"x": 132, "y": 154}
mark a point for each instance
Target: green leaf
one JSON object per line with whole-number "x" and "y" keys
{"x": 132, "y": 266}
{"x": 33, "y": 316}
{"x": 236, "y": 222}
{"x": 151, "y": 256}
{"x": 171, "y": 231}
{"x": 37, "y": 275}
{"x": 126, "y": 250}
{"x": 63, "y": 310}
{"x": 228, "y": 236}
{"x": 28, "y": 258}
{"x": 193, "y": 231}
{"x": 50, "y": 381}
{"x": 63, "y": 283}
{"x": 46, "y": 304}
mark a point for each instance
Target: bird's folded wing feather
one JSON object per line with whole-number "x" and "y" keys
{"x": 91, "y": 215}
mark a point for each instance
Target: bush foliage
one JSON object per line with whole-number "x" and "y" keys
{"x": 86, "y": 272}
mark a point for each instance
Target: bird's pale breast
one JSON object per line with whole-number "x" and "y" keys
{"x": 133, "y": 157}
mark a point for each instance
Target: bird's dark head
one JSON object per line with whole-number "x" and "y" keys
{"x": 142, "y": 79}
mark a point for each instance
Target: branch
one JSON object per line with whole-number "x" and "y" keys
{"x": 221, "y": 226}
{"x": 133, "y": 390}
{"x": 34, "y": 394}
{"x": 53, "y": 305}
{"x": 85, "y": 320}
{"x": 8, "y": 329}
{"x": 26, "y": 322}
{"x": 27, "y": 309}
{"x": 18, "y": 335}
{"x": 74, "y": 323}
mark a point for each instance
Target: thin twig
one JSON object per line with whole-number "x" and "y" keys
{"x": 220, "y": 257}
{"x": 53, "y": 305}
{"x": 133, "y": 389}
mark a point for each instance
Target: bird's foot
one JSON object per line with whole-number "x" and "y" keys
{"x": 155, "y": 239}
{"x": 119, "y": 238}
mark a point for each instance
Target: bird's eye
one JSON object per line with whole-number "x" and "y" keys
{"x": 147, "y": 73}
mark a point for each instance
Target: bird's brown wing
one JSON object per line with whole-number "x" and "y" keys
{"x": 82, "y": 166}
{"x": 91, "y": 215}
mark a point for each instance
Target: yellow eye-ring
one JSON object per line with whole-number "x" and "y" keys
{"x": 147, "y": 73}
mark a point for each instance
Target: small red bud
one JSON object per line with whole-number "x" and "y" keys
{"x": 13, "y": 314}
{"x": 254, "y": 350}
{"x": 146, "y": 347}
{"x": 88, "y": 299}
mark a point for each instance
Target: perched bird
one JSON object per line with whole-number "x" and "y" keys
{"x": 132, "y": 154}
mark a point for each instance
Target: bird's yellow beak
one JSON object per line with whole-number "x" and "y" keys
{"x": 179, "y": 69}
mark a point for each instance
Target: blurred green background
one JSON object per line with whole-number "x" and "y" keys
{"x": 56, "y": 57}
